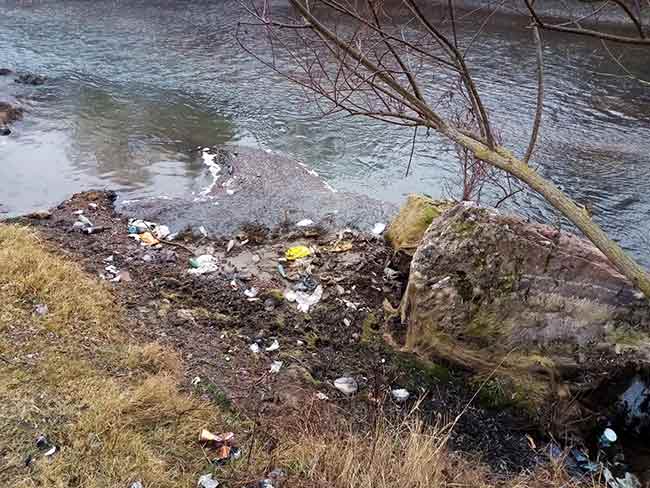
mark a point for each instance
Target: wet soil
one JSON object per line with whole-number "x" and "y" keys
{"x": 210, "y": 321}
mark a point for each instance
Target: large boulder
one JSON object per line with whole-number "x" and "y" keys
{"x": 540, "y": 312}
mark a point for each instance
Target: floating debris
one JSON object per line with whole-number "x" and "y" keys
{"x": 305, "y": 223}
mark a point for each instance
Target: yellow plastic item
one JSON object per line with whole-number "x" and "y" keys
{"x": 148, "y": 239}
{"x": 297, "y": 252}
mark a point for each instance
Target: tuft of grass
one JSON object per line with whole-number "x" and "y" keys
{"x": 407, "y": 454}
{"x": 114, "y": 408}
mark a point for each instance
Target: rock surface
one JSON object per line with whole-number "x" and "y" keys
{"x": 542, "y": 308}
{"x": 408, "y": 227}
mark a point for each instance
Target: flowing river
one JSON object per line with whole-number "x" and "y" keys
{"x": 135, "y": 88}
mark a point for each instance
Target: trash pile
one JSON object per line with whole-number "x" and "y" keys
{"x": 224, "y": 444}
{"x": 609, "y": 461}
{"x": 149, "y": 233}
{"x": 84, "y": 224}
{"x": 45, "y": 447}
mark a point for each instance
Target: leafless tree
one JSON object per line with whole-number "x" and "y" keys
{"x": 405, "y": 66}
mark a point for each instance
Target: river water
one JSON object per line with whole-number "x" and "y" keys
{"x": 136, "y": 87}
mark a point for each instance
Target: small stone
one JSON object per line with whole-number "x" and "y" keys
{"x": 40, "y": 215}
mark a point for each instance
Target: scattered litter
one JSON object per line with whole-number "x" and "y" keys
{"x": 136, "y": 484}
{"x": 161, "y": 232}
{"x": 208, "y": 437}
{"x": 42, "y": 442}
{"x": 322, "y": 396}
{"x": 109, "y": 259}
{"x": 627, "y": 481}
{"x": 306, "y": 301}
{"x": 92, "y": 205}
{"x": 234, "y": 285}
{"x": 203, "y": 264}
{"x": 378, "y": 228}
{"x": 390, "y": 273}
{"x": 275, "y": 366}
{"x": 231, "y": 244}
{"x": 346, "y": 385}
{"x": 275, "y": 345}
{"x": 340, "y": 246}
{"x": 41, "y": 309}
{"x": 290, "y": 296}
{"x": 347, "y": 322}
{"x": 227, "y": 453}
{"x": 305, "y": 223}
{"x": 607, "y": 438}
{"x": 51, "y": 451}
{"x": 112, "y": 269}
{"x": 206, "y": 481}
{"x": 255, "y": 348}
{"x": 400, "y": 395}
{"x": 94, "y": 230}
{"x": 147, "y": 239}
{"x": 282, "y": 271}
{"x": 251, "y": 292}
{"x": 297, "y": 252}
{"x": 196, "y": 381}
{"x": 85, "y": 220}
{"x": 203, "y": 231}
{"x": 306, "y": 283}
{"x": 139, "y": 226}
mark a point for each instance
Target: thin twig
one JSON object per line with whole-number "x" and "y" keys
{"x": 408, "y": 168}
{"x": 540, "y": 94}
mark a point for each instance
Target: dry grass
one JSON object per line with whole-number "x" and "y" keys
{"x": 409, "y": 454}
{"x": 114, "y": 408}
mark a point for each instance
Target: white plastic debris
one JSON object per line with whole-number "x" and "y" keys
{"x": 378, "y": 228}
{"x": 196, "y": 381}
{"x": 322, "y": 396}
{"x": 251, "y": 292}
{"x": 275, "y": 366}
{"x": 161, "y": 232}
{"x": 41, "y": 309}
{"x": 92, "y": 205}
{"x": 347, "y": 322}
{"x": 231, "y": 244}
{"x": 84, "y": 220}
{"x": 305, "y": 301}
{"x": 136, "y": 484}
{"x": 51, "y": 451}
{"x": 400, "y": 395}
{"x": 255, "y": 348}
{"x": 290, "y": 296}
{"x": 203, "y": 264}
{"x": 346, "y": 385}
{"x": 206, "y": 481}
{"x": 305, "y": 223}
{"x": 275, "y": 345}
{"x": 203, "y": 231}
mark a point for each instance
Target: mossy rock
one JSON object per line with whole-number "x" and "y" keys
{"x": 407, "y": 229}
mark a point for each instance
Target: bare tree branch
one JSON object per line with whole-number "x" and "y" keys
{"x": 540, "y": 94}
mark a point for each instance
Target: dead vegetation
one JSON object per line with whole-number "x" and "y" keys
{"x": 113, "y": 407}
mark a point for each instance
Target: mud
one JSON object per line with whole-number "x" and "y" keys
{"x": 212, "y": 324}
